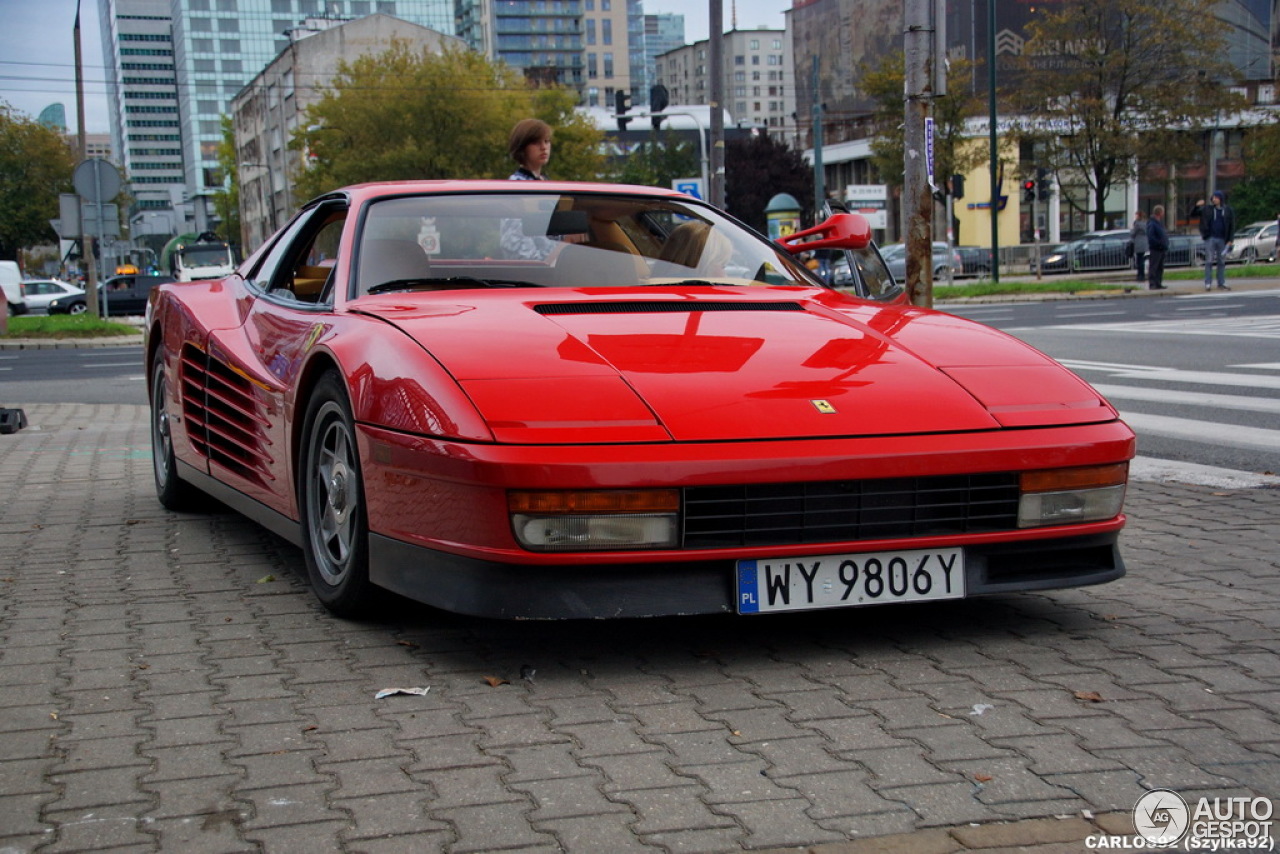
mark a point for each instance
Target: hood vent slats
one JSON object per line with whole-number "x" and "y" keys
{"x": 661, "y": 307}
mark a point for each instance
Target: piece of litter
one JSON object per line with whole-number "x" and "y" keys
{"x": 387, "y": 692}
{"x": 979, "y": 708}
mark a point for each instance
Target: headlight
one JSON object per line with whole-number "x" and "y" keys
{"x": 1053, "y": 259}
{"x": 1066, "y": 496}
{"x": 568, "y": 521}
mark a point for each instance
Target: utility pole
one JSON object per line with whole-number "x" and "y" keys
{"x": 917, "y": 196}
{"x": 715, "y": 57}
{"x": 87, "y": 260}
{"x": 819, "y": 172}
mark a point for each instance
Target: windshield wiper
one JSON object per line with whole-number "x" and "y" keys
{"x": 448, "y": 282}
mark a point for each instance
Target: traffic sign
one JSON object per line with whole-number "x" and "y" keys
{"x": 96, "y": 180}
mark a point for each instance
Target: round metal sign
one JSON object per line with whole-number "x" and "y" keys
{"x": 96, "y": 180}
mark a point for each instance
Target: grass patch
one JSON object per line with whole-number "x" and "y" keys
{"x": 1234, "y": 271}
{"x": 67, "y": 326}
{"x": 988, "y": 289}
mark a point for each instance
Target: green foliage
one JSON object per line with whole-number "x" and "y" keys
{"x": 401, "y": 115}
{"x": 1108, "y": 85}
{"x": 953, "y": 151}
{"x": 226, "y": 201}
{"x": 658, "y": 162}
{"x": 35, "y": 166}
{"x": 757, "y": 168}
{"x": 1256, "y": 198}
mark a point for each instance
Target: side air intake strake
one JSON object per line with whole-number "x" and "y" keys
{"x": 661, "y": 307}
{"x": 223, "y": 417}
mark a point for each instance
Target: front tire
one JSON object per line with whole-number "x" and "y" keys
{"x": 335, "y": 529}
{"x": 78, "y": 308}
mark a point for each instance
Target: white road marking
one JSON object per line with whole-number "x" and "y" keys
{"x": 1191, "y": 398}
{"x": 1175, "y": 375}
{"x": 1150, "y": 469}
{"x": 1206, "y": 432}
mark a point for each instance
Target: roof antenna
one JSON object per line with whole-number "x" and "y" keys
{"x": 733, "y": 15}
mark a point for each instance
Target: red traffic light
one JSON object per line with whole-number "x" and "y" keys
{"x": 1028, "y": 185}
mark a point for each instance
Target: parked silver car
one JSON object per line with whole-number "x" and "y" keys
{"x": 944, "y": 260}
{"x": 1255, "y": 241}
{"x": 41, "y": 292}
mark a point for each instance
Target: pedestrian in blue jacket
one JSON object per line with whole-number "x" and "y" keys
{"x": 1157, "y": 245}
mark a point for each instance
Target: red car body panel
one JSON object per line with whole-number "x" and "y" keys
{"x": 459, "y": 396}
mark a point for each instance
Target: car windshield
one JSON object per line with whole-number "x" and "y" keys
{"x": 1248, "y": 231}
{"x": 556, "y": 239}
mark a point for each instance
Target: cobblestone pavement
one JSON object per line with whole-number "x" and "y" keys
{"x": 168, "y": 683}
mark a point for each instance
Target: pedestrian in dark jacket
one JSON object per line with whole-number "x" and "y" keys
{"x": 1157, "y": 245}
{"x": 1217, "y": 227}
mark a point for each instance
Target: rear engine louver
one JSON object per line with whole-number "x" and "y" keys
{"x": 223, "y": 416}
{"x": 661, "y": 307}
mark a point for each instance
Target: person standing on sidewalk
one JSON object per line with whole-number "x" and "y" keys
{"x": 1138, "y": 236}
{"x": 1157, "y": 245}
{"x": 1217, "y": 227}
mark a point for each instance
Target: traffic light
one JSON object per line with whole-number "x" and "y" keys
{"x": 657, "y": 103}
{"x": 1042, "y": 184}
{"x": 1029, "y": 190}
{"x": 621, "y": 103}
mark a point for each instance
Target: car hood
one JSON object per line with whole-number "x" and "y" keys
{"x": 704, "y": 364}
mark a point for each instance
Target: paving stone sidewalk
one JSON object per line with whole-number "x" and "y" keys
{"x": 168, "y": 683}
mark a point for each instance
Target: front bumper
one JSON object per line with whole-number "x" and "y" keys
{"x": 492, "y": 589}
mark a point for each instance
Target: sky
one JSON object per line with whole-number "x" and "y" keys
{"x": 37, "y": 51}
{"x": 38, "y": 59}
{"x": 751, "y": 14}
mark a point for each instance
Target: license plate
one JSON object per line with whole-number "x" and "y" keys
{"x": 849, "y": 580}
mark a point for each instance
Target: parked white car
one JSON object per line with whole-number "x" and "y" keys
{"x": 11, "y": 284}
{"x": 1255, "y": 241}
{"x": 40, "y": 292}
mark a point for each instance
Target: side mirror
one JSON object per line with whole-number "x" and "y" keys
{"x": 839, "y": 231}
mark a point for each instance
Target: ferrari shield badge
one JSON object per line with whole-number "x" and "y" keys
{"x": 824, "y": 406}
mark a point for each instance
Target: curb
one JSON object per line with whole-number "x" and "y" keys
{"x": 69, "y": 343}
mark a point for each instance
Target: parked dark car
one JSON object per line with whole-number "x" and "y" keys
{"x": 119, "y": 296}
{"x": 975, "y": 260}
{"x": 1096, "y": 250}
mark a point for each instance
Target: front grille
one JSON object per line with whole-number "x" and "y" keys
{"x": 779, "y": 514}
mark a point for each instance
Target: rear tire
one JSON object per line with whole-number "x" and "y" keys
{"x": 335, "y": 529}
{"x": 173, "y": 492}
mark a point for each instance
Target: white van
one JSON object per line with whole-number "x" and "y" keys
{"x": 11, "y": 281}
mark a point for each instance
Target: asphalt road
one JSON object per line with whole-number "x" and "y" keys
{"x": 1196, "y": 375}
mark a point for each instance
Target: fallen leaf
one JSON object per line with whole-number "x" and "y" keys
{"x": 495, "y": 681}
{"x": 1090, "y": 696}
{"x": 983, "y": 778}
{"x": 311, "y": 728}
{"x": 410, "y": 644}
{"x": 264, "y": 579}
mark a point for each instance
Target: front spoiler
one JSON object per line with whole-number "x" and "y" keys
{"x": 509, "y": 591}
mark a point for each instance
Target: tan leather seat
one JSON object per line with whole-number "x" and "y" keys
{"x": 383, "y": 261}
{"x": 584, "y": 267}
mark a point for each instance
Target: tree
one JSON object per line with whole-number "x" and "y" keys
{"x": 954, "y": 151}
{"x": 1108, "y": 85}
{"x": 658, "y": 162}
{"x": 226, "y": 201}
{"x": 758, "y": 167}
{"x": 35, "y": 166}
{"x": 403, "y": 115}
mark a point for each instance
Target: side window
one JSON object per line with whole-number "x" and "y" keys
{"x": 301, "y": 264}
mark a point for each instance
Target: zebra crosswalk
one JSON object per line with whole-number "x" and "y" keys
{"x": 1202, "y": 401}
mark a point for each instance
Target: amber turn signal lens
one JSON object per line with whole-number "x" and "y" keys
{"x": 1085, "y": 477}
{"x": 595, "y": 501}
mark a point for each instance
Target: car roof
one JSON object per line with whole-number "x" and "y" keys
{"x": 364, "y": 192}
